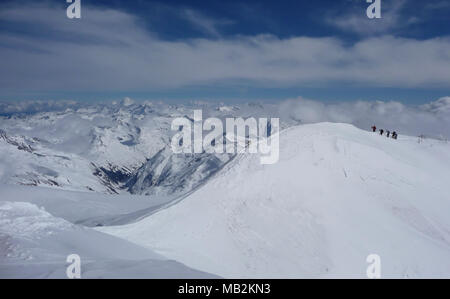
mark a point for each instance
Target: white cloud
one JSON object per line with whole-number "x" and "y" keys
{"x": 26, "y": 107}
{"x": 205, "y": 24}
{"x": 108, "y": 50}
{"x": 358, "y": 22}
{"x": 439, "y": 107}
{"x": 432, "y": 119}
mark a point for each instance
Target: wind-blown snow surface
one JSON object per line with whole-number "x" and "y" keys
{"x": 35, "y": 243}
{"x": 337, "y": 195}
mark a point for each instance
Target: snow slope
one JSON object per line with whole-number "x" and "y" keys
{"x": 35, "y": 244}
{"x": 337, "y": 195}
{"x": 87, "y": 208}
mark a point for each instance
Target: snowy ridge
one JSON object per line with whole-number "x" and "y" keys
{"x": 337, "y": 195}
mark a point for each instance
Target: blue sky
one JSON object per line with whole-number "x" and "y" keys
{"x": 285, "y": 18}
{"x": 225, "y": 50}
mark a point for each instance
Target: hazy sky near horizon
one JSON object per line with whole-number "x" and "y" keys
{"x": 326, "y": 50}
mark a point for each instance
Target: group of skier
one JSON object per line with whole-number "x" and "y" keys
{"x": 388, "y": 133}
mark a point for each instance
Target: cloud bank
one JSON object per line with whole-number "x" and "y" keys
{"x": 432, "y": 119}
{"x": 30, "y": 107}
{"x": 108, "y": 50}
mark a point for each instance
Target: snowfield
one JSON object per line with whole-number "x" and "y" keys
{"x": 337, "y": 195}
{"x": 101, "y": 181}
{"x": 35, "y": 244}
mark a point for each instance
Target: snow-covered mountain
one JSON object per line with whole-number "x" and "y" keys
{"x": 123, "y": 147}
{"x": 337, "y": 195}
{"x": 101, "y": 181}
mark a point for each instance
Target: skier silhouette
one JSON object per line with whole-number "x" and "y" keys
{"x": 388, "y": 133}
{"x": 374, "y": 128}
{"x": 381, "y": 131}
{"x": 394, "y": 135}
